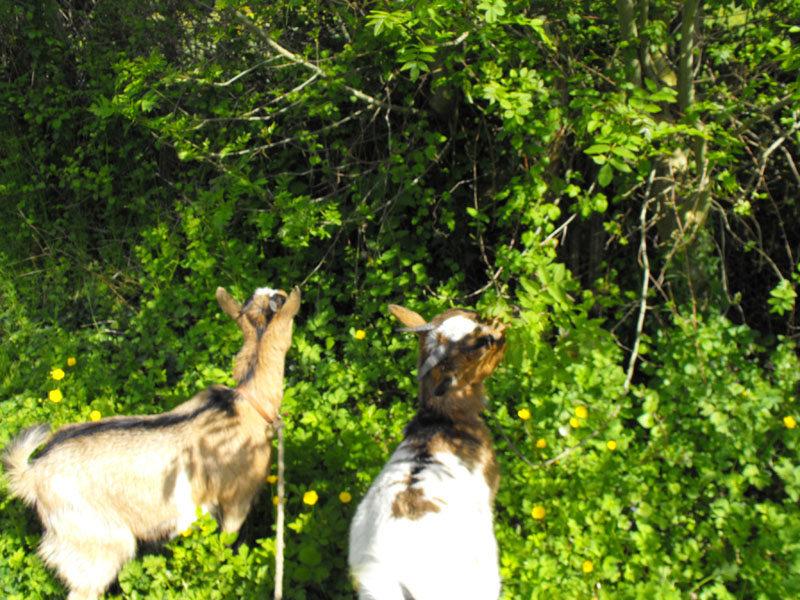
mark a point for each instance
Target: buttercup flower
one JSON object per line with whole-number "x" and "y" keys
{"x": 55, "y": 395}
{"x": 275, "y": 500}
{"x": 524, "y": 414}
{"x": 789, "y": 422}
{"x": 57, "y": 374}
{"x": 538, "y": 512}
{"x": 345, "y": 497}
{"x": 361, "y": 334}
{"x": 272, "y": 478}
{"x": 71, "y": 361}
{"x": 611, "y": 445}
{"x": 587, "y": 567}
{"x": 95, "y": 415}
{"x": 310, "y": 498}
{"x": 541, "y": 443}
{"x": 574, "y": 423}
{"x": 581, "y": 412}
{"x": 187, "y": 533}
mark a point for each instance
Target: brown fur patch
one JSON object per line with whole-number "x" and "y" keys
{"x": 473, "y": 448}
{"x": 410, "y": 504}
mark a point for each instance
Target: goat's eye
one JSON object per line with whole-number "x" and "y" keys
{"x": 483, "y": 341}
{"x": 276, "y": 302}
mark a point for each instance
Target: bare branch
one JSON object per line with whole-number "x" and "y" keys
{"x": 645, "y": 286}
{"x": 299, "y": 60}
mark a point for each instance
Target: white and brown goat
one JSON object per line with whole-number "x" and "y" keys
{"x": 424, "y": 530}
{"x": 99, "y": 487}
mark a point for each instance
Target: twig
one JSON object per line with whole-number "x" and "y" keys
{"x": 285, "y": 141}
{"x": 558, "y": 229}
{"x": 582, "y": 443}
{"x": 511, "y": 444}
{"x": 477, "y": 211}
{"x": 324, "y": 257}
{"x": 278, "y": 425}
{"x": 235, "y": 77}
{"x": 792, "y": 166}
{"x": 764, "y": 113}
{"x": 456, "y": 41}
{"x": 298, "y": 60}
{"x": 645, "y": 287}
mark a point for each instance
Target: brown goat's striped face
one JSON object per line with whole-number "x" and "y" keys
{"x": 457, "y": 348}
{"x": 262, "y": 306}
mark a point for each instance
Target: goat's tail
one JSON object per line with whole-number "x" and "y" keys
{"x": 16, "y": 465}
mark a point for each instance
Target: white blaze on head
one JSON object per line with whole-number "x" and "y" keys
{"x": 453, "y": 329}
{"x": 264, "y": 291}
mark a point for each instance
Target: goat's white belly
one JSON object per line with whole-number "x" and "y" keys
{"x": 185, "y": 508}
{"x": 451, "y": 553}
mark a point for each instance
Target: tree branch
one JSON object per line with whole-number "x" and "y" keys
{"x": 685, "y": 76}
{"x": 299, "y": 60}
{"x": 627, "y": 27}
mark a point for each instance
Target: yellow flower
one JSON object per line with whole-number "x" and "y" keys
{"x": 581, "y": 412}
{"x": 95, "y": 415}
{"x": 574, "y": 423}
{"x": 55, "y": 395}
{"x": 275, "y": 500}
{"x": 272, "y": 478}
{"x": 541, "y": 443}
{"x": 611, "y": 445}
{"x": 538, "y": 512}
{"x": 71, "y": 361}
{"x": 361, "y": 334}
{"x": 524, "y": 414}
{"x": 57, "y": 374}
{"x": 187, "y": 533}
{"x": 588, "y": 566}
{"x": 789, "y": 422}
{"x": 345, "y": 497}
{"x": 310, "y": 498}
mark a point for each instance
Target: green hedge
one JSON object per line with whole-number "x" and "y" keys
{"x": 535, "y": 162}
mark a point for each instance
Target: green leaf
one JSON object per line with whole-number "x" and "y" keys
{"x": 605, "y": 175}
{"x": 598, "y": 149}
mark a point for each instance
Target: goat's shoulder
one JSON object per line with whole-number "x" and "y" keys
{"x": 215, "y": 398}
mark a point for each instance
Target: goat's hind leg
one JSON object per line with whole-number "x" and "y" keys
{"x": 87, "y": 560}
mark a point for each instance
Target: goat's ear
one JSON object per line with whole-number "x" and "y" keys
{"x": 292, "y": 304}
{"x": 228, "y": 304}
{"x": 406, "y": 316}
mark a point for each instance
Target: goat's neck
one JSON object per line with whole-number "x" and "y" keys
{"x": 264, "y": 381}
{"x": 461, "y": 404}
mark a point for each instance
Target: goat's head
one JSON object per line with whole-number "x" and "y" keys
{"x": 457, "y": 350}
{"x": 266, "y": 323}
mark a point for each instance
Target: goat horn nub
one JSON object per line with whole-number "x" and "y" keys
{"x": 434, "y": 358}
{"x": 417, "y": 328}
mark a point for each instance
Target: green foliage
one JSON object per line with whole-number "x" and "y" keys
{"x": 536, "y": 162}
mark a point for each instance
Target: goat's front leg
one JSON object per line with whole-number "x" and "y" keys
{"x": 233, "y": 515}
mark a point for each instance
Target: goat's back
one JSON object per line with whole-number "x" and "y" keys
{"x": 151, "y": 472}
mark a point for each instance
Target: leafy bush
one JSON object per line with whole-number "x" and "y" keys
{"x": 544, "y": 167}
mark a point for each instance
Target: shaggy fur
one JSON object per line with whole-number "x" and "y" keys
{"x": 424, "y": 529}
{"x": 101, "y": 487}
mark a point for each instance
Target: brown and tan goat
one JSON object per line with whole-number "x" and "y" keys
{"x": 100, "y": 487}
{"x": 424, "y": 530}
